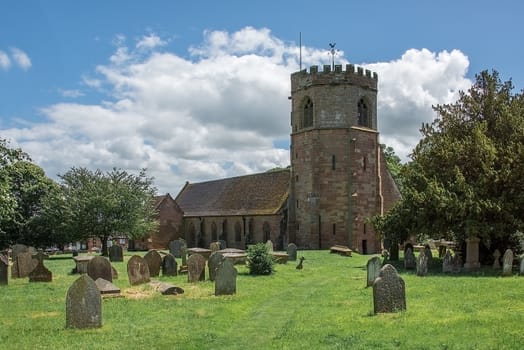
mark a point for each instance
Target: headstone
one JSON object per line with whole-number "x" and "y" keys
{"x": 472, "y": 254}
{"x": 116, "y": 253}
{"x": 269, "y": 245}
{"x": 81, "y": 262}
{"x": 507, "y": 263}
{"x": 106, "y": 287}
{"x": 17, "y": 249}
{"x": 223, "y": 244}
{"x": 214, "y": 246}
{"x": 40, "y": 273}
{"x": 226, "y": 279}
{"x": 422, "y": 264}
{"x": 292, "y": 251}
{"x": 496, "y": 261}
{"x": 137, "y": 270}
{"x": 175, "y": 247}
{"x": 83, "y": 304}
{"x": 215, "y": 259}
{"x": 457, "y": 263}
{"x": 373, "y": 268}
{"x": 389, "y": 291}
{"x": 409, "y": 259}
{"x": 429, "y": 255}
{"x": 196, "y": 268}
{"x": 183, "y": 254}
{"x": 154, "y": 262}
{"x": 169, "y": 265}
{"x": 521, "y": 270}
{"x": 447, "y": 262}
{"x": 99, "y": 267}
{"x": 4, "y": 267}
{"x": 23, "y": 265}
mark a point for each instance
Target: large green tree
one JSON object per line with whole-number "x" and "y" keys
{"x": 108, "y": 204}
{"x": 8, "y": 156}
{"x": 465, "y": 178}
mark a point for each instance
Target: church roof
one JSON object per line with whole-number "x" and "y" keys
{"x": 257, "y": 194}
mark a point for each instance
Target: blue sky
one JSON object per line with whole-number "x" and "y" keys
{"x": 176, "y": 86}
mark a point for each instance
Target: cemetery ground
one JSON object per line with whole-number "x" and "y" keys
{"x": 325, "y": 305}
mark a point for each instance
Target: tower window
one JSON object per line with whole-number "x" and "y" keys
{"x": 333, "y": 162}
{"x": 334, "y": 229}
{"x": 363, "y": 114}
{"x": 307, "y": 116}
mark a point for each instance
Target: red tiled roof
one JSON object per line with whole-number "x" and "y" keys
{"x": 257, "y": 194}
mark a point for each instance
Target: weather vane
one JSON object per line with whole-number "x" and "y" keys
{"x": 333, "y": 52}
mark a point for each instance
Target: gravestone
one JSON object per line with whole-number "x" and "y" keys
{"x": 169, "y": 265}
{"x": 472, "y": 254}
{"x": 373, "y": 268}
{"x": 214, "y": 246}
{"x": 40, "y": 273}
{"x": 116, "y": 253}
{"x": 422, "y": 264}
{"x": 83, "y": 304}
{"x": 183, "y": 254}
{"x": 409, "y": 259}
{"x": 154, "y": 262}
{"x": 447, "y": 262}
{"x": 215, "y": 259}
{"x": 17, "y": 249}
{"x": 496, "y": 261}
{"x": 389, "y": 291}
{"x": 107, "y": 288}
{"x": 269, "y": 245}
{"x": 292, "y": 251}
{"x": 99, "y": 267}
{"x": 429, "y": 254}
{"x": 4, "y": 267}
{"x": 175, "y": 247}
{"x": 226, "y": 279}
{"x": 223, "y": 244}
{"x": 137, "y": 270}
{"x": 507, "y": 263}
{"x": 521, "y": 270}
{"x": 457, "y": 263}
{"x": 196, "y": 265}
{"x": 23, "y": 265}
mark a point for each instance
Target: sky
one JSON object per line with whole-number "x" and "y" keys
{"x": 198, "y": 90}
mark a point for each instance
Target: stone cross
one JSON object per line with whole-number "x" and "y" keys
{"x": 100, "y": 267}
{"x": 138, "y": 270}
{"x": 389, "y": 291}
{"x": 226, "y": 279}
{"x": 507, "y": 263}
{"x": 83, "y": 304}
{"x": 373, "y": 269}
{"x": 154, "y": 262}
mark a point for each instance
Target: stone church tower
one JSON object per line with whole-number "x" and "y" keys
{"x": 338, "y": 175}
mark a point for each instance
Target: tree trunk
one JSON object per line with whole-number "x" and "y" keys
{"x": 105, "y": 251}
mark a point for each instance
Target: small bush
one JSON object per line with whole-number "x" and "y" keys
{"x": 259, "y": 260}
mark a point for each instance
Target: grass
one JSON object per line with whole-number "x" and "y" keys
{"x": 323, "y": 306}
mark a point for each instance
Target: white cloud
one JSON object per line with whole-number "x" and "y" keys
{"x": 21, "y": 58}
{"x": 5, "y": 62}
{"x": 150, "y": 42}
{"x": 219, "y": 113}
{"x": 70, "y": 93}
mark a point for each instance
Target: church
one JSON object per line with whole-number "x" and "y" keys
{"x": 337, "y": 179}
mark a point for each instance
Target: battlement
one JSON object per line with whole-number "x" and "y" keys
{"x": 351, "y": 75}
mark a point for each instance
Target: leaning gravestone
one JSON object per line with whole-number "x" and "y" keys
{"x": 292, "y": 251}
{"x": 154, "y": 262}
{"x": 409, "y": 259}
{"x": 373, "y": 269}
{"x": 496, "y": 257}
{"x": 196, "y": 265}
{"x": 23, "y": 265}
{"x": 447, "y": 262}
{"x": 214, "y": 261}
{"x": 389, "y": 291}
{"x": 422, "y": 264}
{"x": 507, "y": 263}
{"x": 169, "y": 265}
{"x": 226, "y": 279}
{"x": 99, "y": 267}
{"x": 138, "y": 270}
{"x": 17, "y": 249}
{"x": 116, "y": 253}
{"x": 83, "y": 304}
{"x": 4, "y": 267}
{"x": 40, "y": 273}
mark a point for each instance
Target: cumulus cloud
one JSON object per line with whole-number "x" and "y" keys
{"x": 21, "y": 58}
{"x": 219, "y": 113}
{"x": 5, "y": 62}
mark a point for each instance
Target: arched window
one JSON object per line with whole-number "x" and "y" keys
{"x": 267, "y": 231}
{"x": 238, "y": 232}
{"x": 307, "y": 115}
{"x": 214, "y": 234}
{"x": 223, "y": 236}
{"x": 363, "y": 114}
{"x": 192, "y": 235}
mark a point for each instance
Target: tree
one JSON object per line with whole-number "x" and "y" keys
{"x": 465, "y": 178}
{"x": 393, "y": 163}
{"x": 108, "y": 204}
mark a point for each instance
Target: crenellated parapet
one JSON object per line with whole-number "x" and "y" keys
{"x": 328, "y": 76}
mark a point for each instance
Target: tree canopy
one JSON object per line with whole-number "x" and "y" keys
{"x": 465, "y": 178}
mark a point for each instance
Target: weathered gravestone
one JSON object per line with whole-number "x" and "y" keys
{"x": 154, "y": 262}
{"x": 83, "y": 304}
{"x": 23, "y": 265}
{"x": 457, "y": 263}
{"x": 373, "y": 268}
{"x": 507, "y": 263}
{"x": 269, "y": 245}
{"x": 472, "y": 254}
{"x": 496, "y": 261}
{"x": 175, "y": 247}
{"x": 215, "y": 259}
{"x": 183, "y": 253}
{"x": 422, "y": 264}
{"x": 409, "y": 259}
{"x": 292, "y": 251}
{"x": 100, "y": 267}
{"x": 169, "y": 265}
{"x": 137, "y": 270}
{"x": 429, "y": 254}
{"x": 116, "y": 253}
{"x": 223, "y": 244}
{"x": 214, "y": 246}
{"x": 226, "y": 279}
{"x": 4, "y": 267}
{"x": 521, "y": 270}
{"x": 196, "y": 265}
{"x": 447, "y": 262}
{"x": 389, "y": 291}
{"x": 40, "y": 273}
{"x": 17, "y": 249}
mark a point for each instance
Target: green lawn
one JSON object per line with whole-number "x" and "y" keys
{"x": 323, "y": 306}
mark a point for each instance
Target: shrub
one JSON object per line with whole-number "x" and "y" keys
{"x": 259, "y": 260}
